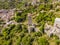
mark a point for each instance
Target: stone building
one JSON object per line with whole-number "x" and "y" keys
{"x": 29, "y": 19}
{"x": 48, "y": 29}
{"x": 6, "y": 14}
{"x": 31, "y": 26}
{"x": 57, "y": 27}
{"x": 55, "y": 30}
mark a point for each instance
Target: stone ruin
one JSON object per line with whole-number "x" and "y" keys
{"x": 35, "y": 2}
{"x": 29, "y": 19}
{"x": 55, "y": 30}
{"x": 6, "y": 14}
{"x": 48, "y": 29}
{"x": 31, "y": 26}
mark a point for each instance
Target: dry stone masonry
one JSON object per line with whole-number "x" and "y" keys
{"x": 55, "y": 30}
{"x": 6, "y": 14}
{"x": 57, "y": 27}
{"x": 31, "y": 26}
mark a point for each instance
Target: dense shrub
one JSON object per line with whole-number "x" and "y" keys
{"x": 43, "y": 18}
{"x": 57, "y": 41}
{"x": 27, "y": 40}
{"x": 43, "y": 41}
{"x": 20, "y": 17}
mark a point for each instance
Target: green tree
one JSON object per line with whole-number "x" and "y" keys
{"x": 20, "y": 17}
{"x": 43, "y": 41}
{"x": 27, "y": 40}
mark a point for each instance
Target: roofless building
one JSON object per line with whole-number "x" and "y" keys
{"x": 31, "y": 26}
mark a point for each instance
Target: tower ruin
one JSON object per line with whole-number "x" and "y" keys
{"x": 31, "y": 26}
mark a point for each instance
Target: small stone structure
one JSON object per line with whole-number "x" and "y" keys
{"x": 29, "y": 19}
{"x": 57, "y": 27}
{"x": 35, "y": 2}
{"x": 31, "y": 26}
{"x": 48, "y": 29}
{"x": 55, "y": 30}
{"x": 8, "y": 23}
{"x": 6, "y": 14}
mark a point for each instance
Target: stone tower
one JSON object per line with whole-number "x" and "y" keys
{"x": 31, "y": 26}
{"x": 29, "y": 19}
